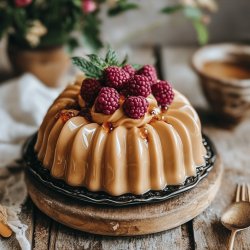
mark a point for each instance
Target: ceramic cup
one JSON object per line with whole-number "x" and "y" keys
{"x": 228, "y": 97}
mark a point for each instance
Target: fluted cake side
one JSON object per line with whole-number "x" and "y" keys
{"x": 117, "y": 154}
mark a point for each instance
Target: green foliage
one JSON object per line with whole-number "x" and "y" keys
{"x": 122, "y": 6}
{"x": 111, "y": 57}
{"x": 93, "y": 65}
{"x": 60, "y": 17}
{"x": 195, "y": 15}
{"x": 201, "y": 31}
{"x": 87, "y": 67}
{"x": 192, "y": 13}
{"x": 136, "y": 66}
{"x": 172, "y": 9}
{"x": 91, "y": 32}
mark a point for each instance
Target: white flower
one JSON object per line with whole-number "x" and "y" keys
{"x": 35, "y": 32}
{"x": 33, "y": 40}
{"x": 190, "y": 3}
{"x": 211, "y": 5}
{"x": 38, "y": 28}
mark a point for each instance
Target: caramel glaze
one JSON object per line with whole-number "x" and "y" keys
{"x": 117, "y": 154}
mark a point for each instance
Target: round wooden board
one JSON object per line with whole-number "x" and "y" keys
{"x": 127, "y": 221}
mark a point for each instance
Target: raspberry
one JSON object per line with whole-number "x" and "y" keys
{"x": 139, "y": 86}
{"x": 135, "y": 106}
{"x": 115, "y": 77}
{"x": 107, "y": 102}
{"x": 163, "y": 93}
{"x": 150, "y": 72}
{"x": 90, "y": 89}
{"x": 129, "y": 69}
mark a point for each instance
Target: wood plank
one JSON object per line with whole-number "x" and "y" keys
{"x": 175, "y": 239}
{"x": 208, "y": 230}
{"x": 41, "y": 235}
{"x": 26, "y": 215}
{"x": 6, "y": 243}
{"x": 9, "y": 243}
{"x": 233, "y": 146}
{"x": 53, "y": 235}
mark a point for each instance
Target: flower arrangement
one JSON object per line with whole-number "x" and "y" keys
{"x": 46, "y": 23}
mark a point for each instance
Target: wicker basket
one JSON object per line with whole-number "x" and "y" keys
{"x": 229, "y": 98}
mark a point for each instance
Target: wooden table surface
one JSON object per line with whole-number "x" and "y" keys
{"x": 203, "y": 232}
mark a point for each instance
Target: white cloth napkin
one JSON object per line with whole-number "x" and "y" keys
{"x": 23, "y": 104}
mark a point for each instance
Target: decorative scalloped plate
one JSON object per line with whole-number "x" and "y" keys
{"x": 35, "y": 168}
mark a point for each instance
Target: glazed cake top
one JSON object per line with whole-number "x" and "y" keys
{"x": 120, "y": 93}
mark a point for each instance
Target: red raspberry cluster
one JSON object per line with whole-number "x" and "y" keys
{"x": 90, "y": 89}
{"x": 107, "y": 102}
{"x": 163, "y": 93}
{"x": 115, "y": 77}
{"x": 135, "y": 106}
{"x": 134, "y": 85}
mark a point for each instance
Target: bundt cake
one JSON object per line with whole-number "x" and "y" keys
{"x": 120, "y": 130}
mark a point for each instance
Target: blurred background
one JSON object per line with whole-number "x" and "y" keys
{"x": 89, "y": 24}
{"x": 228, "y": 22}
